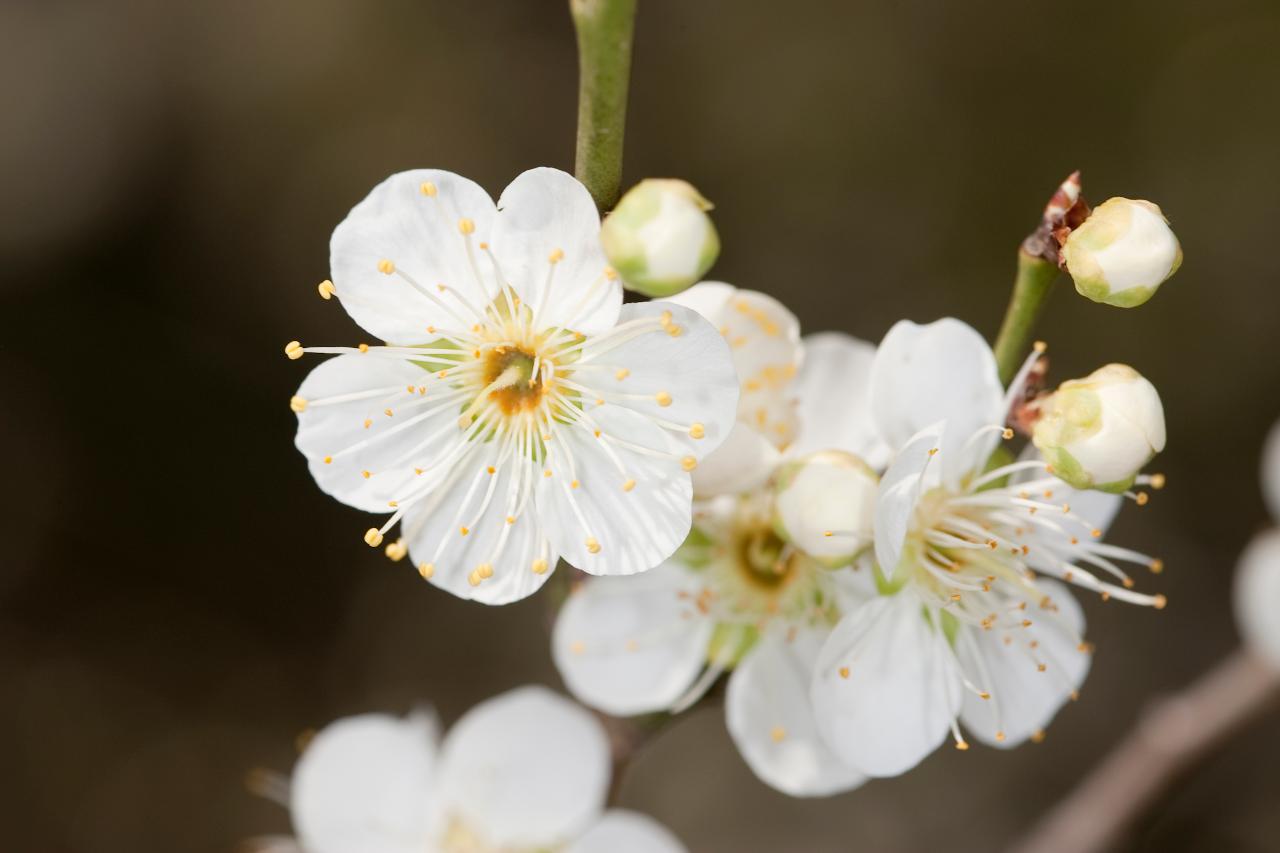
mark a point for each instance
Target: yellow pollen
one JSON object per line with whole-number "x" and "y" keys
{"x": 1157, "y": 481}
{"x": 431, "y": 330}
{"x": 556, "y": 256}
{"x": 491, "y": 469}
{"x": 386, "y": 267}
{"x": 592, "y": 545}
{"x": 675, "y": 330}
{"x": 428, "y": 189}
{"x": 1160, "y": 602}
{"x": 328, "y": 460}
{"x": 697, "y": 430}
{"x": 326, "y": 289}
{"x": 828, "y": 533}
{"x": 418, "y": 471}
{"x": 1157, "y": 566}
{"x": 688, "y": 463}
{"x": 484, "y": 246}
{"x": 621, "y": 374}
{"x": 363, "y": 347}
{"x": 293, "y": 349}
{"x": 1006, "y": 433}
{"x": 1039, "y": 346}
{"x": 984, "y": 695}
{"x": 665, "y": 318}
{"x": 393, "y": 504}
{"x": 628, "y": 485}
{"x": 596, "y": 433}
{"x": 397, "y": 550}
{"x": 427, "y": 570}
{"x": 1000, "y": 736}
{"x": 933, "y": 451}
{"x": 546, "y": 473}
{"x": 511, "y": 519}
{"x": 387, "y": 412}
{"x": 1128, "y": 583}
{"x": 1040, "y": 667}
{"x": 464, "y": 530}
{"x": 778, "y": 733}
{"x": 962, "y": 745}
{"x": 1142, "y": 498}
{"x": 844, "y": 672}
{"x": 663, "y": 398}
{"x": 373, "y": 537}
{"x": 539, "y": 566}
{"x": 1095, "y": 533}
{"x": 473, "y": 579}
{"x": 366, "y": 474}
{"x": 298, "y": 404}
{"x": 574, "y": 484}
{"x": 466, "y": 226}
{"x": 485, "y": 570}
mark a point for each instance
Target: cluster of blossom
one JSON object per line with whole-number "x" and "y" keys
{"x": 838, "y": 525}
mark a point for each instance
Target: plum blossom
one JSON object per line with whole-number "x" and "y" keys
{"x": 1257, "y": 591}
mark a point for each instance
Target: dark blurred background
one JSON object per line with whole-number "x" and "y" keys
{"x": 178, "y": 600}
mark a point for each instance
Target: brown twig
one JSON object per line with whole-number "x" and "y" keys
{"x": 1170, "y": 740}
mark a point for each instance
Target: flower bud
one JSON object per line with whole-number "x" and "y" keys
{"x": 1257, "y": 596}
{"x": 1122, "y": 252}
{"x": 659, "y": 237}
{"x": 824, "y": 504}
{"x": 1099, "y": 431}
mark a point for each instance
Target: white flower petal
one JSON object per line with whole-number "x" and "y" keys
{"x": 743, "y": 462}
{"x": 900, "y": 489}
{"x": 923, "y": 374}
{"x": 834, "y": 388}
{"x": 546, "y": 211}
{"x": 367, "y": 784}
{"x": 1271, "y": 472}
{"x": 421, "y": 236}
{"x": 622, "y": 831}
{"x": 525, "y": 769}
{"x": 611, "y": 521}
{"x": 474, "y": 518}
{"x": 764, "y": 338}
{"x": 770, "y": 717}
{"x": 1024, "y": 697}
{"x": 357, "y": 436}
{"x": 901, "y": 692}
{"x": 632, "y": 645}
{"x": 1097, "y": 508}
{"x": 1257, "y": 596}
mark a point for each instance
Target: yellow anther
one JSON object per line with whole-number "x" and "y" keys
{"x": 428, "y": 189}
{"x": 697, "y": 430}
{"x": 366, "y": 474}
{"x": 485, "y": 570}
{"x": 539, "y": 566}
{"x": 663, "y": 398}
{"x": 484, "y": 246}
{"x": 427, "y": 570}
{"x": 1095, "y": 533}
{"x": 1039, "y": 346}
{"x": 1142, "y": 498}
{"x": 984, "y": 695}
{"x": 326, "y": 289}
{"x": 1037, "y": 736}
{"x": 328, "y": 460}
{"x": 466, "y": 226}
{"x": 1160, "y": 602}
{"x": 665, "y": 318}
{"x": 464, "y": 530}
{"x": 473, "y": 579}
{"x": 293, "y": 349}
{"x": 778, "y": 734}
{"x": 1006, "y": 433}
{"x": 511, "y": 519}
{"x": 418, "y": 471}
{"x": 1157, "y": 566}
{"x": 465, "y": 421}
{"x": 610, "y": 273}
{"x": 373, "y": 537}
{"x": 628, "y": 485}
{"x": 556, "y": 256}
{"x": 397, "y": 550}
{"x": 546, "y": 473}
{"x": 962, "y": 745}
{"x": 1157, "y": 481}
{"x": 387, "y": 412}
{"x": 688, "y": 463}
{"x": 621, "y": 374}
{"x": 491, "y": 469}
{"x": 1040, "y": 667}
{"x": 386, "y": 266}
{"x": 363, "y": 347}
{"x": 933, "y": 451}
{"x": 844, "y": 672}
{"x": 596, "y": 433}
{"x": 1000, "y": 736}
{"x": 675, "y": 330}
{"x": 574, "y": 484}
{"x": 298, "y": 404}
{"x": 431, "y": 330}
{"x": 592, "y": 545}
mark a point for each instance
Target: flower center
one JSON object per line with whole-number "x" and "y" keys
{"x": 508, "y": 372}
{"x": 763, "y": 558}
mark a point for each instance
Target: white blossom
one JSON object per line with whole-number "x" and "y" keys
{"x": 1122, "y": 252}
{"x": 659, "y": 237}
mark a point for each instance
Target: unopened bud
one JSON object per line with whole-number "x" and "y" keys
{"x": 825, "y": 506}
{"x": 659, "y": 237}
{"x": 1257, "y": 596}
{"x": 1099, "y": 431}
{"x": 1122, "y": 253}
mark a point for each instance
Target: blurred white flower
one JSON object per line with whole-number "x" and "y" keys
{"x": 520, "y": 412}
{"x": 659, "y": 237}
{"x": 1257, "y": 591}
{"x": 736, "y": 596}
{"x": 968, "y": 626}
{"x": 824, "y": 505}
{"x": 1098, "y": 432}
{"x": 526, "y": 770}
{"x": 1122, "y": 252}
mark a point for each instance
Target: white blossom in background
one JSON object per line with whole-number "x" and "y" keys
{"x": 519, "y": 412}
{"x": 973, "y": 624}
{"x": 738, "y": 597}
{"x": 1122, "y": 253}
{"x": 1099, "y": 432}
{"x": 659, "y": 237}
{"x": 1257, "y": 590}
{"x": 527, "y": 770}
{"x": 764, "y": 340}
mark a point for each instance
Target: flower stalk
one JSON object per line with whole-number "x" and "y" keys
{"x": 1031, "y": 289}
{"x": 604, "y": 29}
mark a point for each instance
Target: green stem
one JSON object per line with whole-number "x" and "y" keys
{"x": 1030, "y": 294}
{"x": 604, "y": 30}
